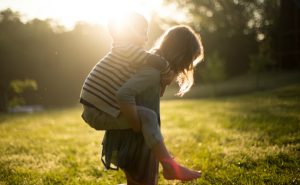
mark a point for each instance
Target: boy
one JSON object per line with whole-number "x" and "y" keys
{"x": 100, "y": 89}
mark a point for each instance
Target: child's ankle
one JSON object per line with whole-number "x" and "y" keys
{"x": 167, "y": 161}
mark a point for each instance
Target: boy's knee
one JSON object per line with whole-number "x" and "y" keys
{"x": 147, "y": 114}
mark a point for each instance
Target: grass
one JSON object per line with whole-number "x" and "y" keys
{"x": 247, "y": 139}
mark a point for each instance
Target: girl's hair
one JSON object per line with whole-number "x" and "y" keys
{"x": 182, "y": 47}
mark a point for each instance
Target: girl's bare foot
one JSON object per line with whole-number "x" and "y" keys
{"x": 174, "y": 171}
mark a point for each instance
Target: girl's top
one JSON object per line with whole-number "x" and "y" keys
{"x": 101, "y": 86}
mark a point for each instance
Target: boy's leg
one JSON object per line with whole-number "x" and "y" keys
{"x": 150, "y": 126}
{"x": 102, "y": 121}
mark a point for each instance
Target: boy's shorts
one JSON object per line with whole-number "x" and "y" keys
{"x": 100, "y": 120}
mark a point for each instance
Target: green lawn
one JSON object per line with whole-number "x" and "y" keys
{"x": 247, "y": 139}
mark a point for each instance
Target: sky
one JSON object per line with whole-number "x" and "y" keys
{"x": 68, "y": 12}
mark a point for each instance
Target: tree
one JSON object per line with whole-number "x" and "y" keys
{"x": 233, "y": 28}
{"x": 18, "y": 88}
{"x": 57, "y": 61}
{"x": 260, "y": 62}
{"x": 213, "y": 71}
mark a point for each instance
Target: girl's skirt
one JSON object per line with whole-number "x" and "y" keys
{"x": 127, "y": 150}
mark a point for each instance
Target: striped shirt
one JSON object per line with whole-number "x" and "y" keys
{"x": 112, "y": 71}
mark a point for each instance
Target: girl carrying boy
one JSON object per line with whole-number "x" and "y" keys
{"x": 109, "y": 91}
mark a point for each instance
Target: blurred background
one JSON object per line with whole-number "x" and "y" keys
{"x": 48, "y": 47}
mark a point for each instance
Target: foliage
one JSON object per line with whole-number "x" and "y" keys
{"x": 232, "y": 28}
{"x": 260, "y": 62}
{"x": 250, "y": 139}
{"x": 18, "y": 87}
{"x": 57, "y": 61}
{"x": 15, "y": 101}
{"x": 214, "y": 70}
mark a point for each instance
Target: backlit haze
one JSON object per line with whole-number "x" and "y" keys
{"x": 67, "y": 12}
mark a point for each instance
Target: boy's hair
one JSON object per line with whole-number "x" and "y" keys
{"x": 182, "y": 47}
{"x": 127, "y": 26}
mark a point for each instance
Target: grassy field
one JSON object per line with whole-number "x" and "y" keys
{"x": 246, "y": 139}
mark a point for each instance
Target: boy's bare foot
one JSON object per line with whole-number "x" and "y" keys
{"x": 174, "y": 171}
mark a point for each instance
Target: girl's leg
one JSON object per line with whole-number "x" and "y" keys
{"x": 171, "y": 169}
{"x": 154, "y": 139}
{"x": 130, "y": 181}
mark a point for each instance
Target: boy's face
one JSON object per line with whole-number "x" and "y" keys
{"x": 132, "y": 30}
{"x": 141, "y": 36}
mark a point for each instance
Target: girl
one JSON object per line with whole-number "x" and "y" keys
{"x": 126, "y": 149}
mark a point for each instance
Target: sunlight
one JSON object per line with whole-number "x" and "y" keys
{"x": 99, "y": 11}
{"x": 68, "y": 13}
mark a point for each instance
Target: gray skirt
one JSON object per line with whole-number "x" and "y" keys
{"x": 127, "y": 150}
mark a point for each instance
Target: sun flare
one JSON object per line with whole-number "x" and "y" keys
{"x": 92, "y": 11}
{"x": 99, "y": 11}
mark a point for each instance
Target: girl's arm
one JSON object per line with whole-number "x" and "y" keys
{"x": 145, "y": 77}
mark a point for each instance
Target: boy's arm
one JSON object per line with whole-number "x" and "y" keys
{"x": 144, "y": 78}
{"x": 141, "y": 58}
{"x": 158, "y": 63}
